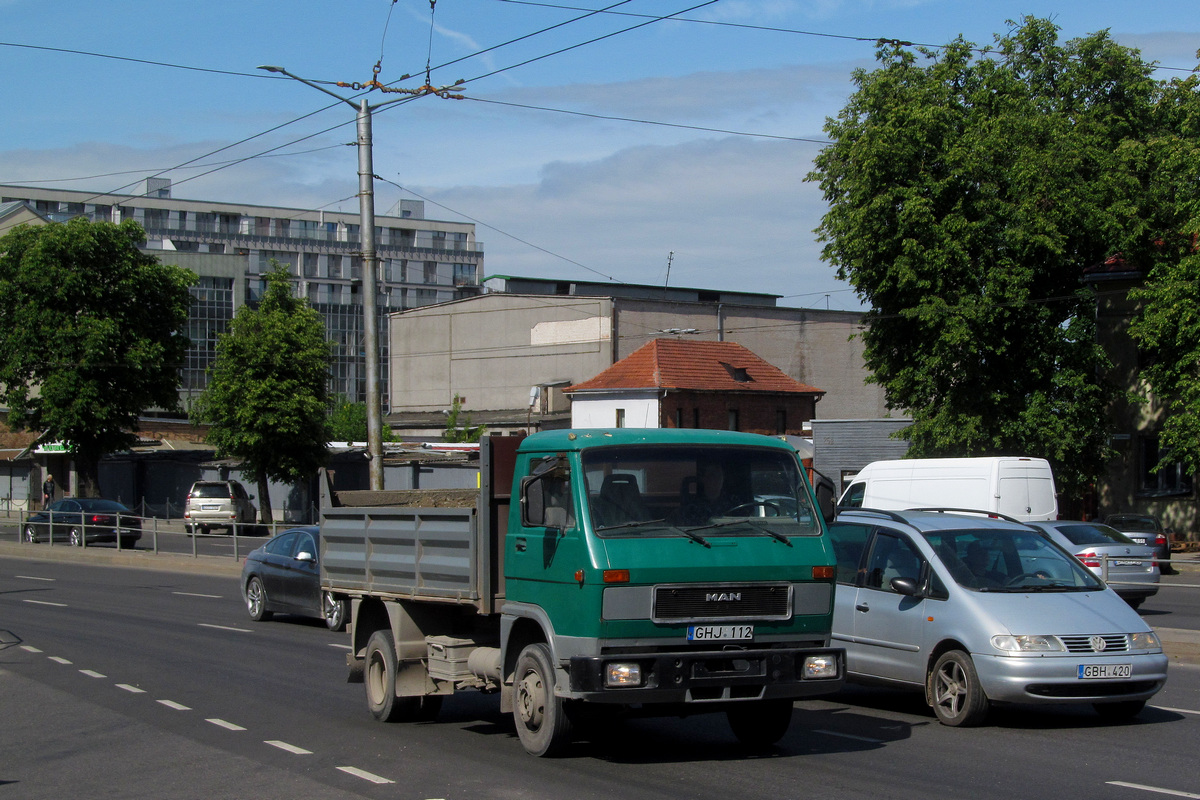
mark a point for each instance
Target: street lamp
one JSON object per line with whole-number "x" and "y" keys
{"x": 366, "y": 206}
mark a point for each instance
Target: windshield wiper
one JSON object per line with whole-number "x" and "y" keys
{"x": 640, "y": 523}
{"x": 776, "y": 535}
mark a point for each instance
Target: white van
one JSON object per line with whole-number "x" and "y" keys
{"x": 1022, "y": 488}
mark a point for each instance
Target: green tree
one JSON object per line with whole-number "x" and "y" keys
{"x": 1167, "y": 327}
{"x": 348, "y": 422}
{"x": 267, "y": 397}
{"x": 91, "y": 335}
{"x": 458, "y": 425}
{"x": 968, "y": 191}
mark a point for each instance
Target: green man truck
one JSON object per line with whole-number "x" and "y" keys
{"x": 594, "y": 573}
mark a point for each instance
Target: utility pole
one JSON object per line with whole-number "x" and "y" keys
{"x": 366, "y": 216}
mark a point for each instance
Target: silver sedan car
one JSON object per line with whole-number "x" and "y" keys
{"x": 1128, "y": 567}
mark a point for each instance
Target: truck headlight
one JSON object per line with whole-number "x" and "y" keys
{"x": 1028, "y": 644}
{"x": 816, "y": 667}
{"x": 618, "y": 674}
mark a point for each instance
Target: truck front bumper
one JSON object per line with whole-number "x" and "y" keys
{"x": 703, "y": 676}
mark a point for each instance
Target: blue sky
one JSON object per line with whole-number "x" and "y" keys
{"x": 744, "y": 87}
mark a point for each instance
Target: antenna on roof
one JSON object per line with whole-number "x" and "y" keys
{"x": 670, "y": 258}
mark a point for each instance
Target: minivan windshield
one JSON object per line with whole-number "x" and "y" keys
{"x": 1006, "y": 560}
{"x": 651, "y": 490}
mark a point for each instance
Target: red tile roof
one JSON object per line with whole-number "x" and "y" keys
{"x": 694, "y": 365}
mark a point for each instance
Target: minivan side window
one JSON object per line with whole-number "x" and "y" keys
{"x": 891, "y": 557}
{"x": 849, "y": 540}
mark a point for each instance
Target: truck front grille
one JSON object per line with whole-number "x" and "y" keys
{"x": 724, "y": 602}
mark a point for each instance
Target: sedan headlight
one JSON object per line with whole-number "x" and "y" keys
{"x": 1144, "y": 641}
{"x": 1028, "y": 644}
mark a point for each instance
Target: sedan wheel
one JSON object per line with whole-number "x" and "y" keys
{"x": 334, "y": 610}
{"x": 256, "y": 600}
{"x": 76, "y": 538}
{"x": 31, "y": 535}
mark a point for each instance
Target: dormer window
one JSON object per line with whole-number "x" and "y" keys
{"x": 739, "y": 374}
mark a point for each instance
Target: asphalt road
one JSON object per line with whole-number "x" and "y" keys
{"x": 119, "y": 682}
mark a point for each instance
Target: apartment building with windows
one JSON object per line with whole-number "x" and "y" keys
{"x": 231, "y": 246}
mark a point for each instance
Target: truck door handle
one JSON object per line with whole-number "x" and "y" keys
{"x": 862, "y": 607}
{"x": 520, "y": 546}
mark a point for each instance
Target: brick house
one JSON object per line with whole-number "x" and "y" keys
{"x": 683, "y": 383}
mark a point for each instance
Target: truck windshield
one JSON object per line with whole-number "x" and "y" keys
{"x": 655, "y": 490}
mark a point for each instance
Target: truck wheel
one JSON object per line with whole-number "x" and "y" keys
{"x": 256, "y": 600}
{"x": 380, "y": 678}
{"x": 540, "y": 716}
{"x": 333, "y": 609}
{"x": 760, "y": 723}
{"x": 958, "y": 699}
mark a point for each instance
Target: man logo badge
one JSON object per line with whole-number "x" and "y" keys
{"x": 723, "y": 597}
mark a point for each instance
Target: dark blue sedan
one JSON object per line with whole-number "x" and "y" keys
{"x": 284, "y": 576}
{"x": 84, "y": 520}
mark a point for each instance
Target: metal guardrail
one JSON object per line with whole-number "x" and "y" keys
{"x": 243, "y": 537}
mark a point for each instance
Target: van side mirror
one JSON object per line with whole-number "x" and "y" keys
{"x": 906, "y": 586}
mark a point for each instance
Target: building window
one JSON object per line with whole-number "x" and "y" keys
{"x": 695, "y": 418}
{"x": 430, "y": 275}
{"x": 781, "y": 421}
{"x": 1171, "y": 479}
{"x": 464, "y": 274}
{"x": 733, "y": 419}
{"x": 679, "y": 417}
{"x": 620, "y": 418}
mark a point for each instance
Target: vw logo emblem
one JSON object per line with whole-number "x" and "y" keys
{"x": 1097, "y": 643}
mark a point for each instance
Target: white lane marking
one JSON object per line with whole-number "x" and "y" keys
{"x": 1176, "y": 710}
{"x": 224, "y": 628}
{"x": 44, "y": 603}
{"x": 128, "y": 688}
{"x": 59, "y": 660}
{"x": 367, "y": 776}
{"x": 30, "y": 648}
{"x": 91, "y": 673}
{"x": 1155, "y": 789}
{"x": 174, "y": 705}
{"x": 851, "y": 736}
{"x": 34, "y": 578}
{"x": 291, "y": 748}
{"x": 229, "y": 726}
{"x": 341, "y": 646}
{"x": 197, "y": 594}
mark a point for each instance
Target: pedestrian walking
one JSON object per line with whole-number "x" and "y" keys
{"x": 48, "y": 491}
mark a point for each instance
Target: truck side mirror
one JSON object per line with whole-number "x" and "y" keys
{"x": 536, "y": 512}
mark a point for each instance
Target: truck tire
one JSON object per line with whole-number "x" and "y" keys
{"x": 379, "y": 678}
{"x": 958, "y": 699}
{"x": 760, "y": 723}
{"x": 541, "y": 718}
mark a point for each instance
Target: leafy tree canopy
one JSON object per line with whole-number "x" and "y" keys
{"x": 348, "y": 422}
{"x": 91, "y": 334}
{"x": 968, "y": 191}
{"x": 267, "y": 398}
{"x": 1167, "y": 328}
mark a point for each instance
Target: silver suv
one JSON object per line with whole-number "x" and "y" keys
{"x": 217, "y": 504}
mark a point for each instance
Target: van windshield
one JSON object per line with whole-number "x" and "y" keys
{"x": 645, "y": 490}
{"x": 1005, "y": 560}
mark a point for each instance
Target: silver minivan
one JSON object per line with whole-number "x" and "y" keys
{"x": 975, "y": 610}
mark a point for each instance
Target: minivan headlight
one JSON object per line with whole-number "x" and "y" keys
{"x": 1144, "y": 641}
{"x": 1028, "y": 644}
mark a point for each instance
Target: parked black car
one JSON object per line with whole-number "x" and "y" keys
{"x": 283, "y": 576}
{"x": 76, "y": 519}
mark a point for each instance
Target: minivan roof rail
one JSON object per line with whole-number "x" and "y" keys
{"x": 989, "y": 514}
